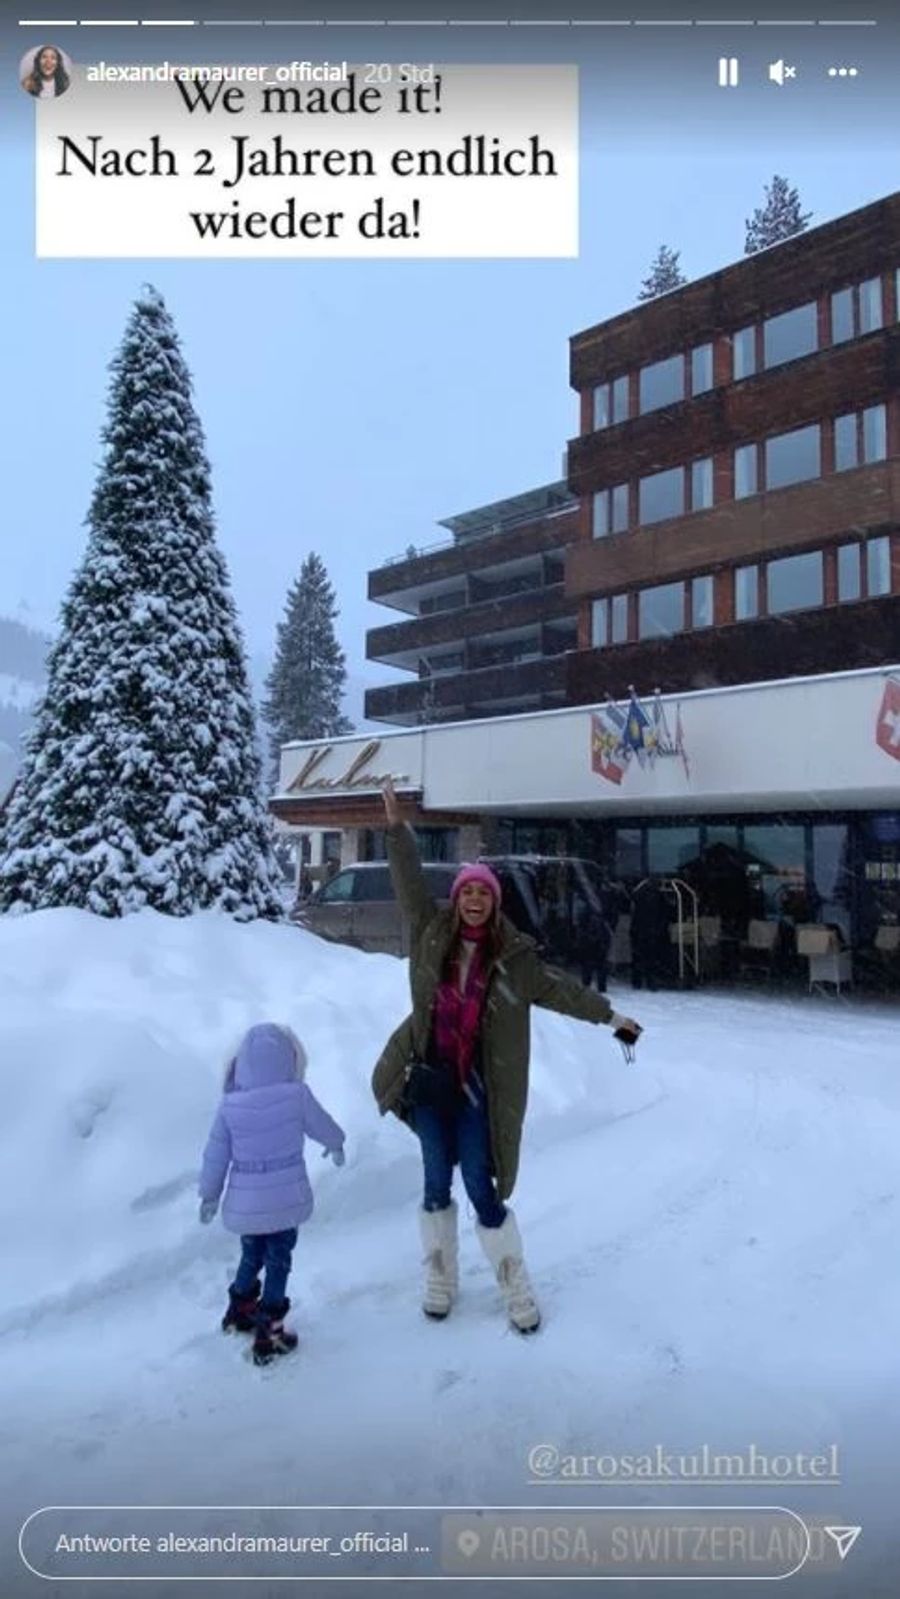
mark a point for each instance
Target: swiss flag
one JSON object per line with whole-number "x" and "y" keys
{"x": 887, "y": 731}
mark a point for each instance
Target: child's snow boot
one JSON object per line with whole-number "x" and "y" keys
{"x": 439, "y": 1241}
{"x": 241, "y": 1313}
{"x": 503, "y": 1247}
{"x": 272, "y": 1337}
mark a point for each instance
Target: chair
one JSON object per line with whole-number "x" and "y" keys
{"x": 828, "y": 962}
{"x": 760, "y": 947}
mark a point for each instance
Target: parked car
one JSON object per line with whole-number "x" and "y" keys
{"x": 358, "y": 906}
{"x": 541, "y": 895}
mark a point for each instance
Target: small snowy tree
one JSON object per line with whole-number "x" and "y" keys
{"x": 780, "y": 217}
{"x": 665, "y": 274}
{"x": 306, "y": 683}
{"x": 140, "y": 782}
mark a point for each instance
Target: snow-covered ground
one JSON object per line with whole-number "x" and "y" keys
{"x": 713, "y": 1233}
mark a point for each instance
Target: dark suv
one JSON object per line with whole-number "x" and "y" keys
{"x": 545, "y": 896}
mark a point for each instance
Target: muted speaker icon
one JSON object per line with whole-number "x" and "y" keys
{"x": 780, "y": 72}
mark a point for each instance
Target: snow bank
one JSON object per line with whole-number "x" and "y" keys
{"x": 114, "y": 1036}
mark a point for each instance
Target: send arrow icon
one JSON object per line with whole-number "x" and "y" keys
{"x": 844, "y": 1537}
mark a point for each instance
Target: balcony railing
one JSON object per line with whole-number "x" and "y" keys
{"x": 529, "y": 517}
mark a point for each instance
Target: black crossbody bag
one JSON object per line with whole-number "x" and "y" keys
{"x": 429, "y": 1087}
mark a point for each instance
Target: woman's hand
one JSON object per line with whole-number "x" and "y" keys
{"x": 625, "y": 1028}
{"x": 391, "y": 806}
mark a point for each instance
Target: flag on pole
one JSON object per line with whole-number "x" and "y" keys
{"x": 608, "y": 759}
{"x": 638, "y": 733}
{"x": 679, "y": 743}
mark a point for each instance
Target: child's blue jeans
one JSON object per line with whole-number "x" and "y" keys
{"x": 271, "y": 1251}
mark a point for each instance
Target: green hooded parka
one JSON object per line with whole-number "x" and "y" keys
{"x": 517, "y": 980}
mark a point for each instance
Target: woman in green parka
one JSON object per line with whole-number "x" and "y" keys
{"x": 456, "y": 1069}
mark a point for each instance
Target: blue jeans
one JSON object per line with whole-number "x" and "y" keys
{"x": 272, "y": 1251}
{"x": 461, "y": 1138}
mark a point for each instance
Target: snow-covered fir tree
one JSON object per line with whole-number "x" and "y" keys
{"x": 665, "y": 274}
{"x": 140, "y": 785}
{"x": 306, "y": 684}
{"x": 780, "y": 217}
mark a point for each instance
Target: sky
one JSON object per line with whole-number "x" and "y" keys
{"x": 349, "y": 405}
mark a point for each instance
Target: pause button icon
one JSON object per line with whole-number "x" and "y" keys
{"x": 728, "y": 72}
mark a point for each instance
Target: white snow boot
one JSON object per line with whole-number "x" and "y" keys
{"x": 440, "y": 1243}
{"x": 503, "y": 1247}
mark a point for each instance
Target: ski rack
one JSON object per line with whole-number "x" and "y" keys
{"x": 687, "y": 935}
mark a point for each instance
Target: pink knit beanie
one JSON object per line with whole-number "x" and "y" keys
{"x": 477, "y": 873}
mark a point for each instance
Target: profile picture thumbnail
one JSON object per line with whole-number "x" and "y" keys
{"x": 45, "y": 72}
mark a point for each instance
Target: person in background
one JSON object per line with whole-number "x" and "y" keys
{"x": 651, "y": 946}
{"x": 255, "y": 1152}
{"x": 48, "y": 76}
{"x": 592, "y": 936}
{"x": 456, "y": 1069}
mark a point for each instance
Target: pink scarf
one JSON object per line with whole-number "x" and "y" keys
{"x": 457, "y": 1016}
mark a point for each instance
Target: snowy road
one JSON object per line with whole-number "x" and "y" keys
{"x": 713, "y": 1234}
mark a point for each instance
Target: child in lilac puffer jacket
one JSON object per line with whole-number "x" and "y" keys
{"x": 256, "y": 1143}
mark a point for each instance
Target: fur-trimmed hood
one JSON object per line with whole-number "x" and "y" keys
{"x": 269, "y": 1053}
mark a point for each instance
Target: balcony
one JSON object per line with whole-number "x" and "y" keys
{"x": 802, "y": 517}
{"x": 403, "y": 583}
{"x": 403, "y": 643}
{"x": 803, "y": 644}
{"x": 520, "y": 686}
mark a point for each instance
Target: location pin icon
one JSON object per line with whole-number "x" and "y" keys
{"x": 468, "y": 1542}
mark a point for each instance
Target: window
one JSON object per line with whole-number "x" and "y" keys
{"x": 600, "y": 525}
{"x": 338, "y": 891}
{"x": 611, "y": 403}
{"x": 878, "y": 566}
{"x": 619, "y": 516}
{"x": 661, "y": 495}
{"x": 850, "y": 431}
{"x": 629, "y": 866}
{"x": 842, "y": 322}
{"x": 702, "y": 485}
{"x": 849, "y": 572}
{"x": 601, "y": 406}
{"x": 662, "y": 383}
{"x": 610, "y": 511}
{"x": 856, "y": 310}
{"x": 599, "y": 624}
{"x": 874, "y": 433}
{"x": 793, "y": 457}
{"x": 745, "y": 473}
{"x": 372, "y": 885}
{"x": 701, "y": 368}
{"x": 661, "y": 611}
{"x": 790, "y": 335}
{"x": 670, "y": 848}
{"x": 743, "y": 346}
{"x": 870, "y": 316}
{"x": 846, "y": 443}
{"x": 619, "y": 608}
{"x": 746, "y": 592}
{"x": 702, "y": 601}
{"x": 795, "y": 583}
